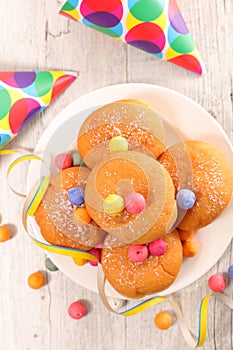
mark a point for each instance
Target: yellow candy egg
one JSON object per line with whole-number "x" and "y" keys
{"x": 79, "y": 261}
{"x": 113, "y": 204}
{"x": 118, "y": 144}
{"x": 81, "y": 217}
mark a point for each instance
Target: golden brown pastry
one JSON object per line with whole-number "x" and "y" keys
{"x": 210, "y": 180}
{"x": 54, "y": 214}
{"x": 137, "y": 279}
{"x": 134, "y": 120}
{"x": 124, "y": 173}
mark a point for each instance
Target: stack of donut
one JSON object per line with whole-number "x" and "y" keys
{"x": 137, "y": 194}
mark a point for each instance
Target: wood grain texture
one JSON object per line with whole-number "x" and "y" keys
{"x": 34, "y": 36}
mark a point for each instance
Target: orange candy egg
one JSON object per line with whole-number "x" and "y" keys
{"x": 81, "y": 217}
{"x": 36, "y": 280}
{"x": 185, "y": 235}
{"x": 163, "y": 320}
{"x": 5, "y": 233}
{"x": 190, "y": 249}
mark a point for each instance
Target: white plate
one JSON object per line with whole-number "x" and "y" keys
{"x": 192, "y": 121}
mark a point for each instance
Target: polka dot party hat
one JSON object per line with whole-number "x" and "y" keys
{"x": 25, "y": 94}
{"x": 156, "y": 26}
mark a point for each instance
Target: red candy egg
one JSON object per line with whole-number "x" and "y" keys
{"x": 97, "y": 253}
{"x": 138, "y": 252}
{"x": 77, "y": 310}
{"x": 63, "y": 161}
{"x": 217, "y": 283}
{"x": 135, "y": 203}
{"x": 158, "y": 247}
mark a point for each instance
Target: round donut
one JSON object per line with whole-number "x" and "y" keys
{"x": 132, "y": 119}
{"x": 54, "y": 214}
{"x": 212, "y": 181}
{"x": 124, "y": 173}
{"x": 151, "y": 276}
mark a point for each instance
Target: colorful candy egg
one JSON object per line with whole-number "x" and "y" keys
{"x": 138, "y": 252}
{"x": 217, "y": 282}
{"x": 113, "y": 204}
{"x": 77, "y": 310}
{"x": 185, "y": 199}
{"x": 118, "y": 144}
{"x": 76, "y": 196}
{"x": 135, "y": 203}
{"x": 158, "y": 247}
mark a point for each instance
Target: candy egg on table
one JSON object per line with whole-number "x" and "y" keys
{"x": 230, "y": 272}
{"x": 50, "y": 265}
{"x": 5, "y": 233}
{"x": 36, "y": 280}
{"x": 163, "y": 320}
{"x": 217, "y": 282}
{"x": 77, "y": 310}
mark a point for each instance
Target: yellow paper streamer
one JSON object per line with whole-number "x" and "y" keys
{"x": 146, "y": 304}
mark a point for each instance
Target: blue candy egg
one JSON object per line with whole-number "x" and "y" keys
{"x": 230, "y": 272}
{"x": 76, "y": 196}
{"x": 185, "y": 199}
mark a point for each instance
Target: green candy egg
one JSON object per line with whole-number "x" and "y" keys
{"x": 77, "y": 160}
{"x": 50, "y": 265}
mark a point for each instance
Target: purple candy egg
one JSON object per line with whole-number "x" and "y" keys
{"x": 76, "y": 196}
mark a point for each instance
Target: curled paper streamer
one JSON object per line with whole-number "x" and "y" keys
{"x": 25, "y": 94}
{"x": 155, "y": 26}
{"x": 31, "y": 204}
{"x": 193, "y": 342}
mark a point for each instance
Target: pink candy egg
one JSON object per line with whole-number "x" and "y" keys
{"x": 138, "y": 252}
{"x": 63, "y": 161}
{"x": 77, "y": 310}
{"x": 158, "y": 247}
{"x": 217, "y": 282}
{"x": 135, "y": 203}
{"x": 97, "y": 253}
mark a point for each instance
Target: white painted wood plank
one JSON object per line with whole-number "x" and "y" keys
{"x": 34, "y": 36}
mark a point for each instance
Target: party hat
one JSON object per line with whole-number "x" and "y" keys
{"x": 25, "y": 94}
{"x": 156, "y": 26}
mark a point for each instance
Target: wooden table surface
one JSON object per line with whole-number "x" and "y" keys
{"x": 34, "y": 36}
